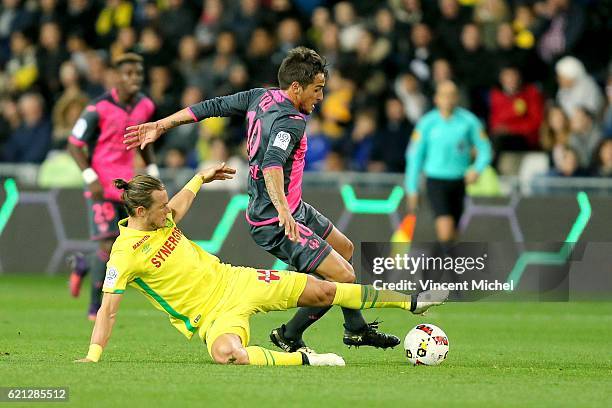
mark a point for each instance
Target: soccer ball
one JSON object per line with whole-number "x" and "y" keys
{"x": 426, "y": 344}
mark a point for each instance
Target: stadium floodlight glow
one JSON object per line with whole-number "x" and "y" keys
{"x": 10, "y": 202}
{"x": 555, "y": 258}
{"x": 371, "y": 206}
{"x": 237, "y": 204}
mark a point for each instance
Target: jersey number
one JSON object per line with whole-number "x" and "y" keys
{"x": 103, "y": 212}
{"x": 253, "y": 134}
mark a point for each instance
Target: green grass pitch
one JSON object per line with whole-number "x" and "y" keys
{"x": 501, "y": 354}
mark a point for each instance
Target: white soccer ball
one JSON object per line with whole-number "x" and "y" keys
{"x": 426, "y": 344}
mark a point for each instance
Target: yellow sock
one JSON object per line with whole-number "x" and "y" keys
{"x": 354, "y": 296}
{"x": 261, "y": 356}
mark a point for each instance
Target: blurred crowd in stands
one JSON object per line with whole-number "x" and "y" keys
{"x": 538, "y": 73}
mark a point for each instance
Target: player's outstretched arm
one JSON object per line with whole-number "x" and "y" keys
{"x": 146, "y": 133}
{"x": 103, "y": 327}
{"x": 181, "y": 202}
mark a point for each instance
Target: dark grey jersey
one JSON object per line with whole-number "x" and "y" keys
{"x": 275, "y": 138}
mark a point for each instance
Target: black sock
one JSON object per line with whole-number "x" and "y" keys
{"x": 98, "y": 272}
{"x": 303, "y": 318}
{"x": 353, "y": 320}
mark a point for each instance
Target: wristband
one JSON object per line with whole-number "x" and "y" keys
{"x": 194, "y": 184}
{"x": 95, "y": 351}
{"x": 89, "y": 175}
{"x": 153, "y": 170}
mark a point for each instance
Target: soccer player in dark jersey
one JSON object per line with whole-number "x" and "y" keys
{"x": 96, "y": 144}
{"x": 280, "y": 222}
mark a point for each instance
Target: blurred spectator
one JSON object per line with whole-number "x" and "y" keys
{"x": 489, "y": 14}
{"x": 602, "y": 160}
{"x": 559, "y": 27}
{"x": 319, "y": 20}
{"x": 258, "y": 58}
{"x": 50, "y": 12}
{"x": 125, "y": 42}
{"x": 95, "y": 74}
{"x": 318, "y": 145}
{"x": 364, "y": 66}
{"x": 12, "y": 18}
{"x": 413, "y": 100}
{"x": 516, "y": 113}
{"x": 568, "y": 164}
{"x": 160, "y": 91}
{"x": 409, "y": 12}
{"x": 78, "y": 50}
{"x": 475, "y": 68}
{"x": 50, "y": 57}
{"x": 350, "y": 27}
{"x": 421, "y": 54}
{"x": 9, "y": 120}
{"x": 183, "y": 138}
{"x": 585, "y": 135}
{"x": 336, "y": 106}
{"x": 450, "y": 25}
{"x": 289, "y": 35}
{"x": 523, "y": 24}
{"x": 177, "y": 21}
{"x": 219, "y": 153}
{"x": 152, "y": 48}
{"x": 31, "y": 141}
{"x": 576, "y": 87}
{"x": 391, "y": 139}
{"x": 81, "y": 19}
{"x": 189, "y": 65}
{"x": 69, "y": 105}
{"x": 209, "y": 24}
{"x": 362, "y": 139}
{"x": 330, "y": 46}
{"x": 244, "y": 19}
{"x": 22, "y": 68}
{"x": 509, "y": 53}
{"x": 555, "y": 133}
{"x": 217, "y": 66}
{"x": 115, "y": 14}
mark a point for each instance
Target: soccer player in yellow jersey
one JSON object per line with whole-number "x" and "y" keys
{"x": 202, "y": 295}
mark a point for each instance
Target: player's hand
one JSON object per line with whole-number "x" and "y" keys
{"x": 96, "y": 190}
{"x": 412, "y": 203}
{"x": 218, "y": 172}
{"x": 84, "y": 360}
{"x": 291, "y": 229}
{"x": 471, "y": 176}
{"x": 143, "y": 134}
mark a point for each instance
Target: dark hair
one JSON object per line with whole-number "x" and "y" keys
{"x": 127, "y": 58}
{"x": 302, "y": 65}
{"x": 137, "y": 192}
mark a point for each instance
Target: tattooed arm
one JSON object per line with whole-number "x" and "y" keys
{"x": 146, "y": 133}
{"x": 274, "y": 179}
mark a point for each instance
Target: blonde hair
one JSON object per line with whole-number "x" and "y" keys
{"x": 138, "y": 192}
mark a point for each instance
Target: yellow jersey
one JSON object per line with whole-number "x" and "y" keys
{"x": 175, "y": 274}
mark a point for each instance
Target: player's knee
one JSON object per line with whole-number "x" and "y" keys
{"x": 224, "y": 353}
{"x": 347, "y": 275}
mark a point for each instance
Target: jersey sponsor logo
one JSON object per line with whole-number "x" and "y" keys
{"x": 139, "y": 243}
{"x": 79, "y": 128}
{"x": 267, "y": 275}
{"x": 282, "y": 140}
{"x": 111, "y": 276}
{"x": 167, "y": 248}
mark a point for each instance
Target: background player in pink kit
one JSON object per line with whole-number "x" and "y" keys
{"x": 96, "y": 144}
{"x": 280, "y": 221}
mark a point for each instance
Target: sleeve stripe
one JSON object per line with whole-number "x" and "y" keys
{"x": 195, "y": 119}
{"x": 74, "y": 141}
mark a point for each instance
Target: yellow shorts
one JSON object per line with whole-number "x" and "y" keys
{"x": 250, "y": 291}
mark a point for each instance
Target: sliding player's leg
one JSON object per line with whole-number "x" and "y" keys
{"x": 227, "y": 342}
